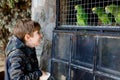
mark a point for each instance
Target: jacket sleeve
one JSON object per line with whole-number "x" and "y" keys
{"x": 17, "y": 68}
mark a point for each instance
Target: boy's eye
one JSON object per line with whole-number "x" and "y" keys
{"x": 38, "y": 32}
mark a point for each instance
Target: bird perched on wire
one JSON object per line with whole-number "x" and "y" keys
{"x": 102, "y": 16}
{"x": 115, "y": 11}
{"x": 82, "y": 17}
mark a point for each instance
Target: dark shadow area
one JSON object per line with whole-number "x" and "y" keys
{"x": 2, "y": 75}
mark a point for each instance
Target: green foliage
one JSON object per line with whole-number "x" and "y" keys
{"x": 13, "y": 10}
{"x": 4, "y": 36}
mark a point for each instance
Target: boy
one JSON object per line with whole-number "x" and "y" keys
{"x": 21, "y": 61}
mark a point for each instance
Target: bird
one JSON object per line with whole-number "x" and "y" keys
{"x": 102, "y": 15}
{"x": 115, "y": 11}
{"x": 81, "y": 15}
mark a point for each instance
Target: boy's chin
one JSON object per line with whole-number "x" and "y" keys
{"x": 37, "y": 45}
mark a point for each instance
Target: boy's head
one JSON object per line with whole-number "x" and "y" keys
{"x": 25, "y": 26}
{"x": 26, "y": 29}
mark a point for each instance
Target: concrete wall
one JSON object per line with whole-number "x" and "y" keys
{"x": 44, "y": 12}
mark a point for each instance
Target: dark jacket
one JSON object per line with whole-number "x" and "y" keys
{"x": 21, "y": 61}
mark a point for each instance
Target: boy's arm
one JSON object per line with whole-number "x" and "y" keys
{"x": 17, "y": 72}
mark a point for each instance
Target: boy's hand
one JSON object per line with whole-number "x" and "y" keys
{"x": 45, "y": 76}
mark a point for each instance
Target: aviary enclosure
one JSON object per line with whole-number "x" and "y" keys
{"x": 86, "y": 40}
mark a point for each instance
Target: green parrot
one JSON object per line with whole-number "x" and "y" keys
{"x": 115, "y": 11}
{"x": 82, "y": 17}
{"x": 102, "y": 15}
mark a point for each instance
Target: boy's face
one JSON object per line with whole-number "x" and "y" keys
{"x": 35, "y": 39}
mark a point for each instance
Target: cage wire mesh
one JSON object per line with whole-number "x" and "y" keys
{"x": 89, "y": 13}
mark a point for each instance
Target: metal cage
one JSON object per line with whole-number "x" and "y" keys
{"x": 88, "y": 12}
{"x": 86, "y": 48}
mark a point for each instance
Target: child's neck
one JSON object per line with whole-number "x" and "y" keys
{"x": 29, "y": 44}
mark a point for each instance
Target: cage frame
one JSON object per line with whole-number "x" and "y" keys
{"x": 93, "y": 30}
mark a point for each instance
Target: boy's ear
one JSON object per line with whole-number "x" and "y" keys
{"x": 27, "y": 37}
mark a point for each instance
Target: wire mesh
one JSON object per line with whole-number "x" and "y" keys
{"x": 89, "y": 12}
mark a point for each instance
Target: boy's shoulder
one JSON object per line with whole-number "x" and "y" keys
{"x": 16, "y": 52}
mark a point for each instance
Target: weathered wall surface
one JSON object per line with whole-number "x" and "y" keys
{"x": 44, "y": 12}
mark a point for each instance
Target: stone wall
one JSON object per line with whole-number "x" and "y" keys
{"x": 44, "y": 12}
